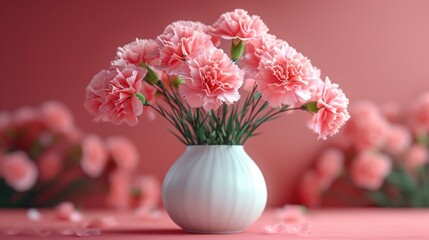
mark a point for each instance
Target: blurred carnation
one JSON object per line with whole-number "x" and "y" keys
{"x": 385, "y": 160}
{"x": 50, "y": 165}
{"x": 367, "y": 128}
{"x": 19, "y": 171}
{"x": 398, "y": 139}
{"x": 123, "y": 151}
{"x": 416, "y": 156}
{"x": 94, "y": 156}
{"x": 57, "y": 116}
{"x": 368, "y": 170}
{"x": 329, "y": 166}
{"x": 420, "y": 114}
{"x": 45, "y": 156}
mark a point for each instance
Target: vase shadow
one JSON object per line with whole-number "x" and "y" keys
{"x": 172, "y": 231}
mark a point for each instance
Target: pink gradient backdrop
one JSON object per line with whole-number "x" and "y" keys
{"x": 376, "y": 50}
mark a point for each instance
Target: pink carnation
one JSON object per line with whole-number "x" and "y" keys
{"x": 94, "y": 156}
{"x": 123, "y": 152}
{"x": 140, "y": 51}
{"x": 420, "y": 114}
{"x": 121, "y": 103}
{"x": 96, "y": 93}
{"x": 285, "y": 77}
{"x": 255, "y": 48}
{"x": 417, "y": 156}
{"x": 368, "y": 170}
{"x": 398, "y": 139}
{"x": 57, "y": 116}
{"x": 213, "y": 80}
{"x": 332, "y": 111}
{"x": 50, "y": 165}
{"x": 367, "y": 128}
{"x": 182, "y": 41}
{"x": 329, "y": 166}
{"x": 19, "y": 171}
{"x": 238, "y": 24}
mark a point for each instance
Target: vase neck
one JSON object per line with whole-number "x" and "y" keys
{"x": 214, "y": 146}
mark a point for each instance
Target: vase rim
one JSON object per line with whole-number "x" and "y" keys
{"x": 214, "y": 145}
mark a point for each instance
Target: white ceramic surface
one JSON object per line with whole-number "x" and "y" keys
{"x": 214, "y": 189}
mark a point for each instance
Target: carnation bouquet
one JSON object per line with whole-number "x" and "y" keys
{"x": 210, "y": 97}
{"x": 46, "y": 159}
{"x": 381, "y": 159}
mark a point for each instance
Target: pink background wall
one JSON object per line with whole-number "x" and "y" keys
{"x": 376, "y": 50}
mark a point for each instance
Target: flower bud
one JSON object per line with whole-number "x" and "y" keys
{"x": 237, "y": 49}
{"x": 151, "y": 76}
{"x": 177, "y": 81}
{"x": 310, "y": 107}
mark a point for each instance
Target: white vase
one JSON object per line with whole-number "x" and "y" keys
{"x": 214, "y": 189}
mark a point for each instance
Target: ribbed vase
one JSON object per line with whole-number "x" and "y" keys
{"x": 214, "y": 189}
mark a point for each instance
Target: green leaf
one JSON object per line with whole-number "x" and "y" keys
{"x": 379, "y": 198}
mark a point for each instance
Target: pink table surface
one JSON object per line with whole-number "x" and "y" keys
{"x": 326, "y": 224}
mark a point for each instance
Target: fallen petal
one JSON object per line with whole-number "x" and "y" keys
{"x": 276, "y": 228}
{"x": 64, "y": 210}
{"x": 103, "y": 222}
{"x": 81, "y": 232}
{"x": 75, "y": 216}
{"x": 33, "y": 214}
{"x": 291, "y": 214}
{"x": 289, "y": 229}
{"x": 28, "y": 232}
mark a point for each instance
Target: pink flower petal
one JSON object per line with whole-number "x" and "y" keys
{"x": 291, "y": 214}
{"x": 64, "y": 210}
{"x": 28, "y": 232}
{"x": 238, "y": 24}
{"x": 34, "y": 215}
{"x": 275, "y": 228}
{"x": 214, "y": 79}
{"x": 75, "y": 216}
{"x": 103, "y": 222}
{"x": 147, "y": 213}
{"x": 289, "y": 229}
{"x": 81, "y": 232}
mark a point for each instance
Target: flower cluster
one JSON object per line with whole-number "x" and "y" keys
{"x": 185, "y": 77}
{"x": 45, "y": 158}
{"x": 382, "y": 159}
